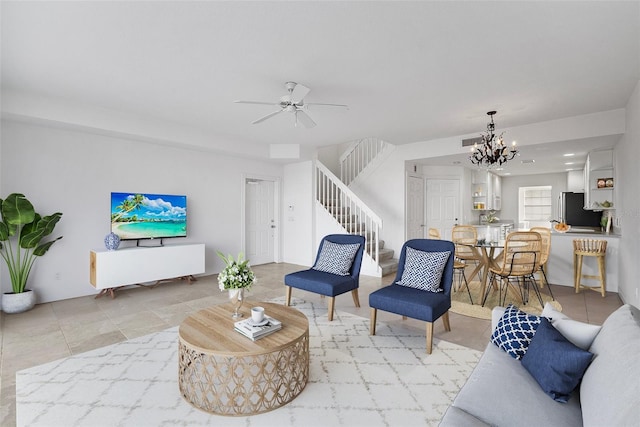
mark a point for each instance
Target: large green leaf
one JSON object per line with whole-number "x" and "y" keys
{"x": 49, "y": 222}
{"x": 31, "y": 240}
{"x": 4, "y": 232}
{"x": 42, "y": 249}
{"x": 17, "y": 210}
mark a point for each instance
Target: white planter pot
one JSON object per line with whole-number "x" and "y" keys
{"x": 18, "y": 303}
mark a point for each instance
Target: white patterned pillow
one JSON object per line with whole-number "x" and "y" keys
{"x": 515, "y": 331}
{"x": 423, "y": 270}
{"x": 336, "y": 258}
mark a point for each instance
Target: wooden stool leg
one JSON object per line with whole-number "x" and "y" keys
{"x": 603, "y": 276}
{"x": 579, "y": 273}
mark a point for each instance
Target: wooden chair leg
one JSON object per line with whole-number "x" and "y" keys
{"x": 445, "y": 319}
{"x": 332, "y": 303}
{"x": 287, "y": 297}
{"x": 429, "y": 337}
{"x": 356, "y": 299}
{"x": 372, "y": 326}
{"x": 404, "y": 317}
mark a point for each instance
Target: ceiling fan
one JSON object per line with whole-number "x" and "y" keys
{"x": 294, "y": 103}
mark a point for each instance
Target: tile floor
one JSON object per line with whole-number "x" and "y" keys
{"x": 55, "y": 330}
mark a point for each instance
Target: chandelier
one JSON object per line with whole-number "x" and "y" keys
{"x": 492, "y": 152}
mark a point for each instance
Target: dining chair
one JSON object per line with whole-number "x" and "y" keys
{"x": 520, "y": 261}
{"x": 465, "y": 237}
{"x": 434, "y": 233}
{"x": 545, "y": 250}
{"x": 336, "y": 270}
{"x": 422, "y": 287}
{"x": 458, "y": 266}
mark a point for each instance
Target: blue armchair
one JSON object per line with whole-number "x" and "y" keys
{"x": 425, "y": 295}
{"x": 335, "y": 271}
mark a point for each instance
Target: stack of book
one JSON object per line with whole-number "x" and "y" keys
{"x": 249, "y": 329}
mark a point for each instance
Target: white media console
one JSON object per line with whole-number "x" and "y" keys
{"x": 133, "y": 266}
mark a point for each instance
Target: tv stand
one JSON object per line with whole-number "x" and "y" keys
{"x": 109, "y": 270}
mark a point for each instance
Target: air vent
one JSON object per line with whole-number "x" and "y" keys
{"x": 471, "y": 141}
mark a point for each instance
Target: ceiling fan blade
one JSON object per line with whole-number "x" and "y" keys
{"x": 256, "y": 102}
{"x": 299, "y": 92}
{"x": 305, "y": 119}
{"x": 262, "y": 119}
{"x": 327, "y": 105}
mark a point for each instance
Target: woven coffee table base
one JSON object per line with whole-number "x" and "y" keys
{"x": 244, "y": 385}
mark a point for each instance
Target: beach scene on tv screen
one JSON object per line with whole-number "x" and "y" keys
{"x": 148, "y": 216}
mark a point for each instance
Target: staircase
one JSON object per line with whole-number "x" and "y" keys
{"x": 353, "y": 215}
{"x": 351, "y": 224}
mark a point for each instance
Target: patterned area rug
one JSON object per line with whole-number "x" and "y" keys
{"x": 460, "y": 303}
{"x": 355, "y": 380}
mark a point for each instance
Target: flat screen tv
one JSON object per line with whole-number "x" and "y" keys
{"x": 136, "y": 216}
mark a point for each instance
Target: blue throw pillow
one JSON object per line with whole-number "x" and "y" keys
{"x": 423, "y": 270}
{"x": 555, "y": 363}
{"x": 514, "y": 331}
{"x": 336, "y": 258}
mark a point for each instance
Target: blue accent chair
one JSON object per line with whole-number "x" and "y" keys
{"x": 416, "y": 303}
{"x": 329, "y": 284}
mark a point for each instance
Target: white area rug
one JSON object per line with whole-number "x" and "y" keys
{"x": 355, "y": 380}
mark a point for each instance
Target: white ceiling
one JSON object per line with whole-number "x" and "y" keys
{"x": 409, "y": 71}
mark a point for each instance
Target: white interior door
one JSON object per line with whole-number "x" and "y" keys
{"x": 415, "y": 208}
{"x": 260, "y": 224}
{"x": 443, "y": 205}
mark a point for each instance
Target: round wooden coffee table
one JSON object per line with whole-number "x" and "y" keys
{"x": 223, "y": 372}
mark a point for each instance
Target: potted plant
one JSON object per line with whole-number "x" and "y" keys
{"x": 22, "y": 231}
{"x": 235, "y": 277}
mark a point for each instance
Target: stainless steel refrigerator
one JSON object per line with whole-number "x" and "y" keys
{"x": 573, "y": 213}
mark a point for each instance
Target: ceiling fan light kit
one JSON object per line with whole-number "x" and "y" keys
{"x": 492, "y": 152}
{"x": 294, "y": 103}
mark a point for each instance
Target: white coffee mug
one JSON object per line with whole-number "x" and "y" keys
{"x": 257, "y": 314}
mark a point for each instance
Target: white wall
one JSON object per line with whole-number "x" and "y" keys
{"x": 298, "y": 214}
{"x": 74, "y": 172}
{"x": 627, "y": 154}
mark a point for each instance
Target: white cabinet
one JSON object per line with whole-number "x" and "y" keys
{"x": 599, "y": 180}
{"x": 486, "y": 191}
{"x": 132, "y": 266}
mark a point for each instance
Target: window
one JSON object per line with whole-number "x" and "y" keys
{"x": 534, "y": 206}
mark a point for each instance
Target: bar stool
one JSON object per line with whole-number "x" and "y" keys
{"x": 594, "y": 248}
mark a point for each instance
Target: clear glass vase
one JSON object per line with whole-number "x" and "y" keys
{"x": 236, "y": 297}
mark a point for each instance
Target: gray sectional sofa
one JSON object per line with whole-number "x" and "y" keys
{"x": 501, "y": 392}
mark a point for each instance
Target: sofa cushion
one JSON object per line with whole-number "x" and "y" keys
{"x": 554, "y": 362}
{"x": 423, "y": 270}
{"x": 579, "y": 333}
{"x": 501, "y": 393}
{"x": 515, "y": 331}
{"x": 336, "y": 258}
{"x": 610, "y": 389}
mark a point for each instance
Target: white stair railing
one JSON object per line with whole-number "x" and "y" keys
{"x": 340, "y": 201}
{"x": 355, "y": 160}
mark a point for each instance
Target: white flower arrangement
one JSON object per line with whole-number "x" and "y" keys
{"x": 237, "y": 274}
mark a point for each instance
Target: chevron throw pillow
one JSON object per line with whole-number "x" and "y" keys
{"x": 515, "y": 331}
{"x": 336, "y": 258}
{"x": 423, "y": 270}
